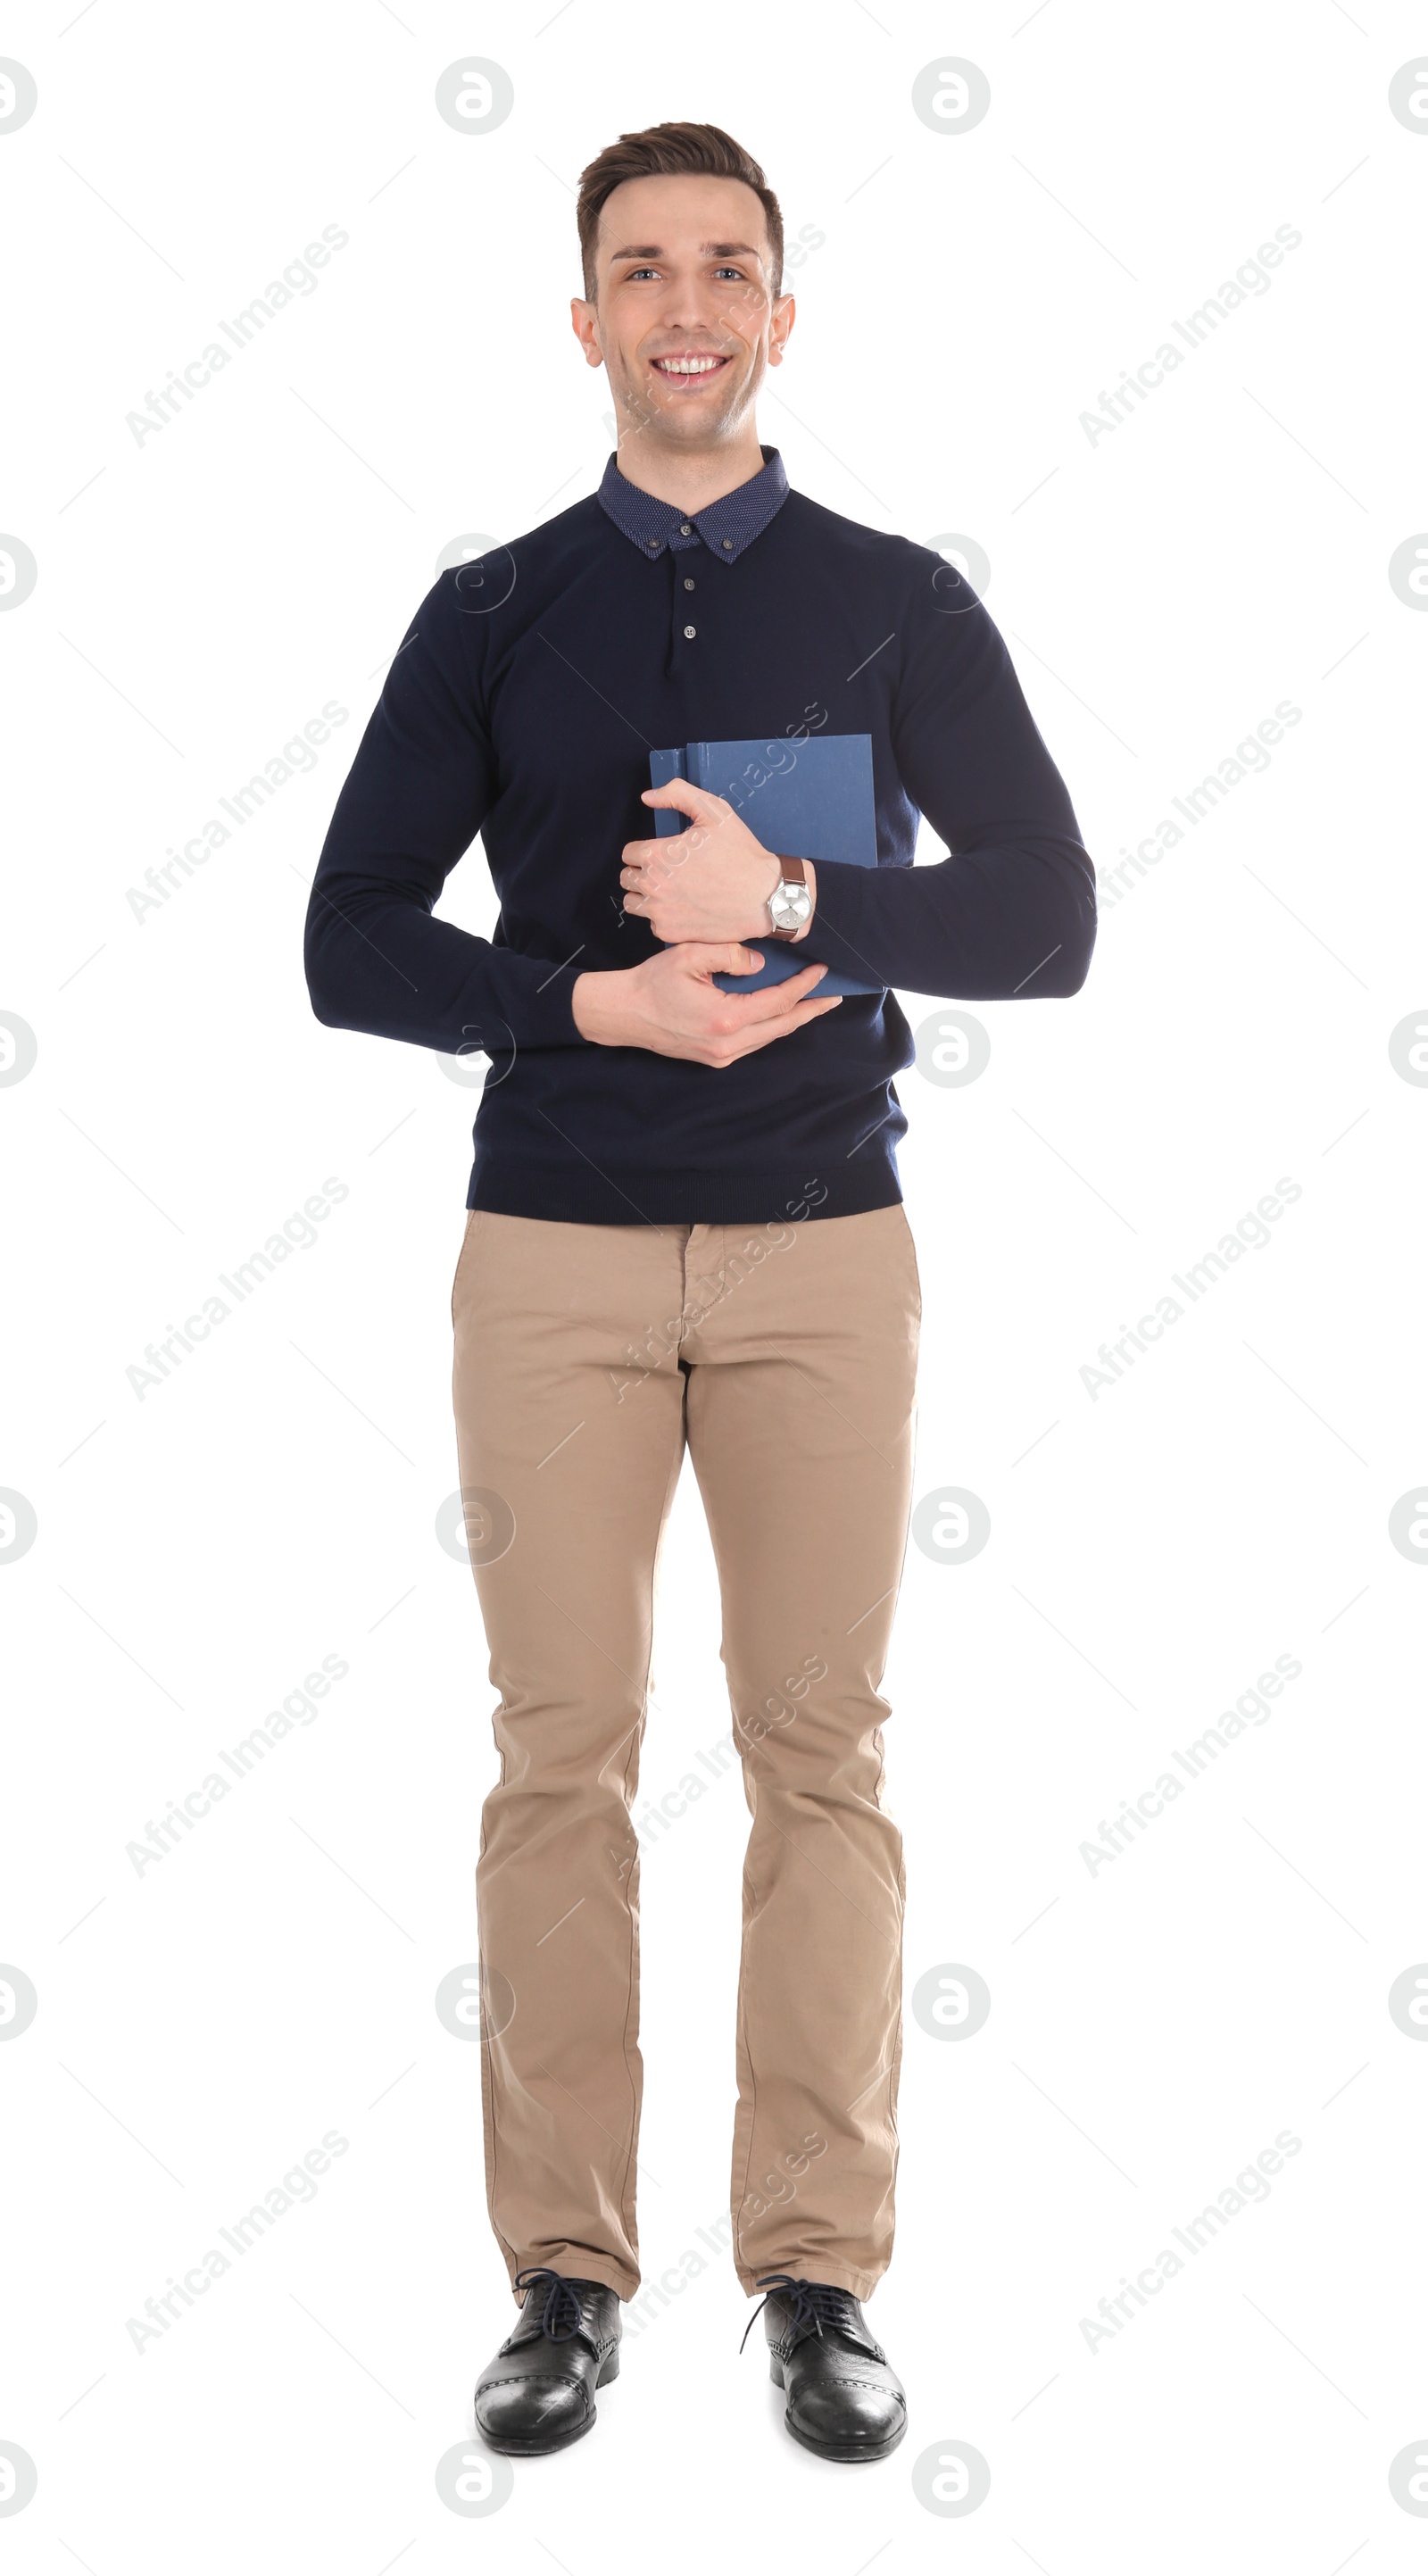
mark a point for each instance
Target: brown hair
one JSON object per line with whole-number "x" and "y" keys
{"x": 663, "y": 151}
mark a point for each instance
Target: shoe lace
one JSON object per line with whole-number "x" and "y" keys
{"x": 815, "y": 2305}
{"x": 561, "y": 2317}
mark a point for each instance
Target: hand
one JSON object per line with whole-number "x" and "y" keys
{"x": 671, "y": 1005}
{"x": 709, "y": 883}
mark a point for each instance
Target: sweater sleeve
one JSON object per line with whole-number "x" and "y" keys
{"x": 1012, "y": 912}
{"x": 418, "y": 791}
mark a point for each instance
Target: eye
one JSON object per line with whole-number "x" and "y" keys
{"x": 729, "y": 272}
{"x": 641, "y": 272}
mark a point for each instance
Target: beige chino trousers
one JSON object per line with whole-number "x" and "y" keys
{"x": 785, "y": 1355}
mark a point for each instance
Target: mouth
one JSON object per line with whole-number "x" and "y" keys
{"x": 689, "y": 370}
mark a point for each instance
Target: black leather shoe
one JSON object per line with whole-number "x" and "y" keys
{"x": 845, "y": 2400}
{"x": 539, "y": 2392}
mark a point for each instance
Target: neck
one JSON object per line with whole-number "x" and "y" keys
{"x": 690, "y": 480}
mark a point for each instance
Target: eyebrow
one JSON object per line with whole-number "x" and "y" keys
{"x": 708, "y": 250}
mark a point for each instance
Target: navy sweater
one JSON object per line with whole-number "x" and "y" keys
{"x": 523, "y": 705}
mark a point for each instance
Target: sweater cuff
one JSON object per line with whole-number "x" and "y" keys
{"x": 545, "y": 1015}
{"x": 841, "y": 934}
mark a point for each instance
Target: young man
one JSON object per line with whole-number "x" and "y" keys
{"x": 685, "y": 1226}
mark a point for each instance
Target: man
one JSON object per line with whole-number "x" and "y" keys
{"x": 685, "y": 1226}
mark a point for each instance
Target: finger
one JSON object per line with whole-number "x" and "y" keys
{"x": 683, "y": 796}
{"x": 720, "y": 956}
{"x": 736, "y": 957}
{"x": 777, "y": 1001}
{"x": 804, "y": 980}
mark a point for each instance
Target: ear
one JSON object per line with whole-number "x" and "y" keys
{"x": 781, "y": 322}
{"x": 585, "y": 325}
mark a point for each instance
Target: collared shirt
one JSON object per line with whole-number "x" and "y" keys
{"x": 524, "y": 705}
{"x": 725, "y": 528}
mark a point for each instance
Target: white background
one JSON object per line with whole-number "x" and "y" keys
{"x": 1225, "y": 1502}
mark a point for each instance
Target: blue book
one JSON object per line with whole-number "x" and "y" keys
{"x": 805, "y": 800}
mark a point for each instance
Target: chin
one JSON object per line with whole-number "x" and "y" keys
{"x": 714, "y": 420}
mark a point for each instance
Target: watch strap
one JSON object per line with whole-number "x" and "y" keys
{"x": 791, "y": 872}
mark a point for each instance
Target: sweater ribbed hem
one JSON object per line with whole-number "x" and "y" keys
{"x": 572, "y": 1196}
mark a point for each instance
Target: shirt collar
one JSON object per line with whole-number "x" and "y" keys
{"x": 725, "y": 528}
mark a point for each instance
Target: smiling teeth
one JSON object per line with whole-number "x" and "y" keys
{"x": 686, "y": 366}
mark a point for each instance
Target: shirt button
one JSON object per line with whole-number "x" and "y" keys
{"x": 685, "y": 529}
{"x": 688, "y": 584}
{"x": 689, "y": 630}
{"x": 653, "y": 542}
{"x": 728, "y": 543}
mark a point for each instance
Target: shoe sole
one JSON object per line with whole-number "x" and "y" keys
{"x": 609, "y": 2369}
{"x": 842, "y": 2451}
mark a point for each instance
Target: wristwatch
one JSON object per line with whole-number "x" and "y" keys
{"x": 790, "y": 904}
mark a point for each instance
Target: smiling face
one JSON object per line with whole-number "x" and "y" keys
{"x": 685, "y": 319}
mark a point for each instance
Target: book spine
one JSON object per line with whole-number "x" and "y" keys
{"x": 665, "y": 765}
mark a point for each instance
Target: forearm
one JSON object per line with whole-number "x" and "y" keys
{"x": 1013, "y": 920}
{"x": 378, "y": 960}
{"x": 602, "y": 1007}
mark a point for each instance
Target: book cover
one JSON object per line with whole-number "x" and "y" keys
{"x": 805, "y": 800}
